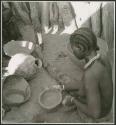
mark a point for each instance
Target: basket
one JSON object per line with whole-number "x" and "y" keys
{"x": 14, "y": 47}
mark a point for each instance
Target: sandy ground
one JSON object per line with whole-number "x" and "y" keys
{"x": 55, "y": 50}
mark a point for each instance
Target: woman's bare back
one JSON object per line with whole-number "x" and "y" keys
{"x": 102, "y": 74}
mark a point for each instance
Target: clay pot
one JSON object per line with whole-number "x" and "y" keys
{"x": 16, "y": 91}
{"x": 24, "y": 65}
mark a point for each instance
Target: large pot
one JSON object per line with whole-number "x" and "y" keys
{"x": 16, "y": 91}
{"x": 24, "y": 65}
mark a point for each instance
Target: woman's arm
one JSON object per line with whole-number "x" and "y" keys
{"x": 63, "y": 79}
{"x": 93, "y": 106}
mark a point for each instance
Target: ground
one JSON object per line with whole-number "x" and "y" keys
{"x": 55, "y": 50}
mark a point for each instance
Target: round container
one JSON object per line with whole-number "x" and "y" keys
{"x": 13, "y": 47}
{"x": 50, "y": 98}
{"x": 16, "y": 90}
{"x": 24, "y": 65}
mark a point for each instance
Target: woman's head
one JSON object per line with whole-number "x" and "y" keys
{"x": 83, "y": 41}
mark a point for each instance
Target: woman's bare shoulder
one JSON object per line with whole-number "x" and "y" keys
{"x": 96, "y": 70}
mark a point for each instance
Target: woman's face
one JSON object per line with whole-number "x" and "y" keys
{"x": 78, "y": 50}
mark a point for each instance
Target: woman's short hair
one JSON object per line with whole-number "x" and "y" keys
{"x": 86, "y": 37}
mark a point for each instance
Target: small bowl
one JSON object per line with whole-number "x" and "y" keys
{"x": 13, "y": 47}
{"x": 50, "y": 98}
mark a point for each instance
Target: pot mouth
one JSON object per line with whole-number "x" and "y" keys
{"x": 19, "y": 98}
{"x": 12, "y": 93}
{"x": 14, "y": 96}
{"x": 38, "y": 62}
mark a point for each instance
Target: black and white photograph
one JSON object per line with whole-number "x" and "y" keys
{"x": 57, "y": 62}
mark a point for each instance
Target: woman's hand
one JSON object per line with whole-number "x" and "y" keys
{"x": 60, "y": 87}
{"x": 68, "y": 100}
{"x": 64, "y": 79}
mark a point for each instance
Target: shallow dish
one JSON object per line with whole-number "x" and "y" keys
{"x": 50, "y": 98}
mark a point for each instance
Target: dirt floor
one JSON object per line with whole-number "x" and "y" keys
{"x": 55, "y": 50}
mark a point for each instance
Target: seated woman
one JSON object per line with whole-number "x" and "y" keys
{"x": 97, "y": 80}
{"x": 94, "y": 96}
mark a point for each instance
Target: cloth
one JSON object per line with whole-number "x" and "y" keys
{"x": 53, "y": 13}
{"x": 66, "y": 12}
{"x": 35, "y": 14}
{"x": 9, "y": 28}
{"x": 27, "y": 18}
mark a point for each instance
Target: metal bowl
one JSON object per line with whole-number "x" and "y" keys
{"x": 13, "y": 47}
